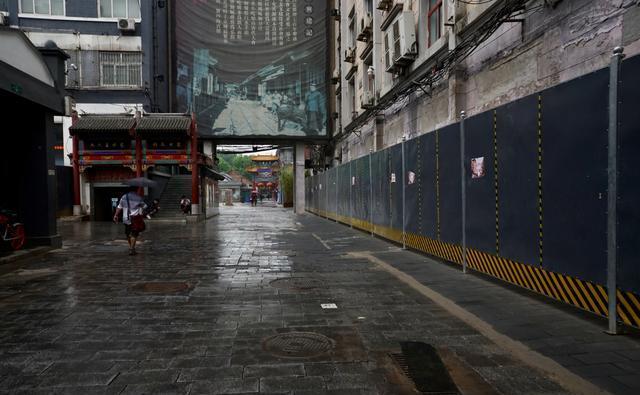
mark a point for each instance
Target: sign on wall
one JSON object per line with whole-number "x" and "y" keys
{"x": 252, "y": 68}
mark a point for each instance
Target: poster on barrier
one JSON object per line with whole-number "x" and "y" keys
{"x": 477, "y": 167}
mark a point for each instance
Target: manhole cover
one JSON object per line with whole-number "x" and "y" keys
{"x": 161, "y": 287}
{"x": 299, "y": 283}
{"x": 298, "y": 344}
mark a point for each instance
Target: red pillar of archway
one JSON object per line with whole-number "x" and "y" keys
{"x": 195, "y": 179}
{"x": 138, "y": 140}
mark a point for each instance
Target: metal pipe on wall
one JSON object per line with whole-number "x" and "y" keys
{"x": 350, "y": 194}
{"x": 612, "y": 190}
{"x": 404, "y": 235}
{"x": 463, "y": 193}
{"x": 370, "y": 193}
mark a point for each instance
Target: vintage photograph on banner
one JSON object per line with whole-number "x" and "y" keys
{"x": 252, "y": 68}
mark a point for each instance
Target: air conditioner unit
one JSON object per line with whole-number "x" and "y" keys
{"x": 350, "y": 55}
{"x": 384, "y": 5}
{"x": 367, "y": 100}
{"x": 400, "y": 42}
{"x": 365, "y": 28}
{"x": 127, "y": 25}
{"x": 335, "y": 77}
{"x": 4, "y": 18}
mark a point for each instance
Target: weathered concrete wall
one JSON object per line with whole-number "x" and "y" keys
{"x": 553, "y": 45}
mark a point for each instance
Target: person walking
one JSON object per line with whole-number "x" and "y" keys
{"x": 185, "y": 204}
{"x": 132, "y": 207}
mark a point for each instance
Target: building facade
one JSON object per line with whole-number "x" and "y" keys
{"x": 118, "y": 60}
{"x": 410, "y": 67}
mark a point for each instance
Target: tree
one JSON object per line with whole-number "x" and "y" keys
{"x": 223, "y": 165}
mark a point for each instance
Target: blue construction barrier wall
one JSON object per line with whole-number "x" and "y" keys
{"x": 536, "y": 192}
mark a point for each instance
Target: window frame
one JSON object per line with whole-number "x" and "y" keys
{"x": 430, "y": 11}
{"x": 33, "y": 2}
{"x": 139, "y": 17}
{"x": 115, "y": 64}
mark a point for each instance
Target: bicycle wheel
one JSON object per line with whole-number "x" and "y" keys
{"x": 17, "y": 236}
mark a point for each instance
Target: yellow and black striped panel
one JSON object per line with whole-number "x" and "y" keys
{"x": 585, "y": 295}
{"x": 582, "y": 294}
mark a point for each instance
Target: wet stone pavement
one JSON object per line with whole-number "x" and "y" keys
{"x": 198, "y": 312}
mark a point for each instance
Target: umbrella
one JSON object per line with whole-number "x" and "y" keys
{"x": 141, "y": 182}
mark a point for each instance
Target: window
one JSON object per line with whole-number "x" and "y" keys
{"x": 121, "y": 69}
{"x": 42, "y": 7}
{"x": 119, "y": 8}
{"x": 434, "y": 19}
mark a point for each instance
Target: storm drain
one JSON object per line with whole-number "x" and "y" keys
{"x": 298, "y": 344}
{"x": 296, "y": 283}
{"x": 162, "y": 288}
{"x": 422, "y": 364}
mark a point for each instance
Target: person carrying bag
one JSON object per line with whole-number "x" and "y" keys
{"x": 132, "y": 207}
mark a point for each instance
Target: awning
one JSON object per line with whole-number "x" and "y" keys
{"x": 209, "y": 172}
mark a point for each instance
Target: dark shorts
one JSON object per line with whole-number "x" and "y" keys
{"x": 129, "y": 232}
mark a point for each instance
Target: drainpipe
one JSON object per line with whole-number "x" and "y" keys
{"x": 612, "y": 190}
{"x": 138, "y": 150}
{"x": 77, "y": 208}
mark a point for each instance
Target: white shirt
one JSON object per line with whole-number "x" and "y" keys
{"x": 137, "y": 206}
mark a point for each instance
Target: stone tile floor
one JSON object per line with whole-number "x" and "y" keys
{"x": 80, "y": 319}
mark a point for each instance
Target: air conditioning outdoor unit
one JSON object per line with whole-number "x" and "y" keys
{"x": 365, "y": 28}
{"x": 335, "y": 77}
{"x": 127, "y": 25}
{"x": 367, "y": 100}
{"x": 4, "y": 18}
{"x": 350, "y": 55}
{"x": 400, "y": 42}
{"x": 384, "y": 5}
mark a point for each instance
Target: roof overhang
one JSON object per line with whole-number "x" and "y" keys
{"x": 24, "y": 73}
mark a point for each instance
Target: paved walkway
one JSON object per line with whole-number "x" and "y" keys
{"x": 197, "y": 311}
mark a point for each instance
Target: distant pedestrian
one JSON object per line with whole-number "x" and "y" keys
{"x": 131, "y": 206}
{"x": 185, "y": 204}
{"x": 254, "y": 198}
{"x": 153, "y": 208}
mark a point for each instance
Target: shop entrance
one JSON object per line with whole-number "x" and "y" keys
{"x": 105, "y": 200}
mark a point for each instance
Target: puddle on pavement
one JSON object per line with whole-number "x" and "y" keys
{"x": 162, "y": 288}
{"x": 296, "y": 283}
{"x": 32, "y": 273}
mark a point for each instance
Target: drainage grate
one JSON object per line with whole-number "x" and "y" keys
{"x": 422, "y": 364}
{"x": 296, "y": 283}
{"x": 162, "y": 287}
{"x": 298, "y": 344}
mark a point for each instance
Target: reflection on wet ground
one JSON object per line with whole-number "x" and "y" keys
{"x": 198, "y": 310}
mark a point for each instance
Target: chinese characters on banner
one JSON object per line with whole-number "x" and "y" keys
{"x": 252, "y": 68}
{"x": 275, "y": 21}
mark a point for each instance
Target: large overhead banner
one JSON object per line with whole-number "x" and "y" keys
{"x": 252, "y": 68}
